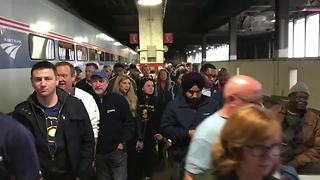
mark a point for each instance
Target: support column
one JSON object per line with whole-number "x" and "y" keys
{"x": 233, "y": 38}
{"x": 281, "y": 28}
{"x": 151, "y": 33}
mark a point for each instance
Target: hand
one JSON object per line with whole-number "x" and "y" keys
{"x": 139, "y": 145}
{"x": 168, "y": 143}
{"x": 120, "y": 146}
{"x": 191, "y": 133}
{"x": 158, "y": 137}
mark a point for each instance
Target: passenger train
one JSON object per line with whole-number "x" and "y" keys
{"x": 34, "y": 30}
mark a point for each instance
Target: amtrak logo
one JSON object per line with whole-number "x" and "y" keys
{"x": 10, "y": 49}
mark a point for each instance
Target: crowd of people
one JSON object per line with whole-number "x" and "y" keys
{"x": 118, "y": 123}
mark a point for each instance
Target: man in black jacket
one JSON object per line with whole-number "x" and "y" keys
{"x": 115, "y": 130}
{"x": 85, "y": 83}
{"x": 60, "y": 125}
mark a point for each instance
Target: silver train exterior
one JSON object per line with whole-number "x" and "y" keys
{"x": 32, "y": 30}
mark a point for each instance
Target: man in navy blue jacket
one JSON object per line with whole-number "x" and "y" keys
{"x": 18, "y": 157}
{"x": 183, "y": 115}
{"x": 115, "y": 130}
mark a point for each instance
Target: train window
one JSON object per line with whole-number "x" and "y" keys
{"x": 93, "y": 55}
{"x": 66, "y": 51}
{"x": 116, "y": 58}
{"x": 107, "y": 57}
{"x": 82, "y": 53}
{"x": 112, "y": 57}
{"x": 102, "y": 55}
{"x": 41, "y": 48}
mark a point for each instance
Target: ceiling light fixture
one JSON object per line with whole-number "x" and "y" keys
{"x": 117, "y": 44}
{"x": 149, "y": 2}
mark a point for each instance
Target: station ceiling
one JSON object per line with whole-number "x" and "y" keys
{"x": 188, "y": 20}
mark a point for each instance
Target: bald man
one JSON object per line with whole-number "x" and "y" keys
{"x": 239, "y": 91}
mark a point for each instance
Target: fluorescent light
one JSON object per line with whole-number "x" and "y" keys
{"x": 105, "y": 37}
{"x": 117, "y": 44}
{"x": 41, "y": 27}
{"x": 149, "y": 2}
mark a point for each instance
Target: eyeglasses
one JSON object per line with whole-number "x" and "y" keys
{"x": 259, "y": 150}
{"x": 210, "y": 76}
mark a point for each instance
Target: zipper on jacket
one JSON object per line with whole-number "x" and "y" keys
{"x": 59, "y": 117}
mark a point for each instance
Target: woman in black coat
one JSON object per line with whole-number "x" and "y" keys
{"x": 148, "y": 121}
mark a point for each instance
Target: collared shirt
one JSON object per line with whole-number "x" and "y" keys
{"x": 206, "y": 92}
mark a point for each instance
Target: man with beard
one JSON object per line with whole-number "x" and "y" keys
{"x": 116, "y": 130}
{"x": 181, "y": 117}
{"x": 301, "y": 129}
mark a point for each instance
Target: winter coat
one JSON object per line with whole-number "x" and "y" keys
{"x": 77, "y": 130}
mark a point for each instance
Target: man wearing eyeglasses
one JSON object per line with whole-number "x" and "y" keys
{"x": 210, "y": 89}
{"x": 238, "y": 91}
{"x": 182, "y": 116}
{"x": 301, "y": 128}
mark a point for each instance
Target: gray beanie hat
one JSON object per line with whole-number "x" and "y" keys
{"x": 299, "y": 87}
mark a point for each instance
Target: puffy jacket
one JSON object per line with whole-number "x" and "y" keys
{"x": 77, "y": 130}
{"x": 91, "y": 107}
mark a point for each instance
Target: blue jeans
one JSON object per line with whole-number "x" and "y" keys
{"x": 112, "y": 166}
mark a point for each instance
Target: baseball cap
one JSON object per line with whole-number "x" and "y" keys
{"x": 101, "y": 74}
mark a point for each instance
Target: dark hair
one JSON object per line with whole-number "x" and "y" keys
{"x": 188, "y": 64}
{"x": 205, "y": 67}
{"x": 143, "y": 81}
{"x": 72, "y": 68}
{"x": 178, "y": 73}
{"x": 92, "y": 64}
{"x": 132, "y": 66}
{"x": 43, "y": 65}
{"x": 118, "y": 65}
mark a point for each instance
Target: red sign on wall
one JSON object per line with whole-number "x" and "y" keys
{"x": 134, "y": 38}
{"x": 168, "y": 38}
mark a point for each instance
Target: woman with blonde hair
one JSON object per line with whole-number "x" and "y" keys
{"x": 123, "y": 86}
{"x": 249, "y": 146}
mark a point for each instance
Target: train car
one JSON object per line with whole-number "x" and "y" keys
{"x": 35, "y": 30}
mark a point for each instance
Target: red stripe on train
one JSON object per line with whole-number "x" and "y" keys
{"x": 14, "y": 22}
